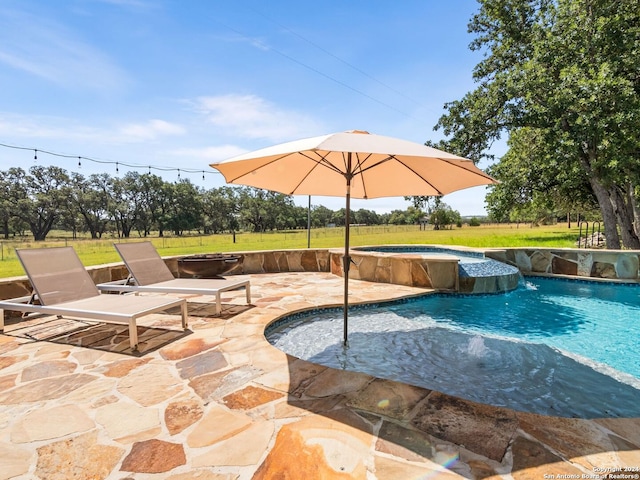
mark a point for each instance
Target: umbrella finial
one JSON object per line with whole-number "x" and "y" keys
{"x": 358, "y": 131}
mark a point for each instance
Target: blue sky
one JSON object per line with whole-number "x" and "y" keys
{"x": 180, "y": 84}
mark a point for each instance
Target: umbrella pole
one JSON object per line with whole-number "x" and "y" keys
{"x": 347, "y": 264}
{"x": 309, "y": 224}
{"x": 347, "y": 258}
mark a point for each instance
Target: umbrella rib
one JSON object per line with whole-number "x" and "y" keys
{"x": 418, "y": 175}
{"x": 243, "y": 174}
{"x": 482, "y": 174}
{"x": 319, "y": 162}
{"x": 359, "y": 170}
{"x": 461, "y": 167}
{"x": 322, "y": 161}
{"x": 359, "y": 165}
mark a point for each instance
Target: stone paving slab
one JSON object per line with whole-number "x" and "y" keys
{"x": 220, "y": 403}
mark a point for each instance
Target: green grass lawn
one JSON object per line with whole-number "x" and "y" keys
{"x": 96, "y": 252}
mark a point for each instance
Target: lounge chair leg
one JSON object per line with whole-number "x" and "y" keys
{"x": 1, "y": 320}
{"x": 133, "y": 334}
{"x": 218, "y": 303}
{"x": 185, "y": 320}
{"x": 248, "y": 290}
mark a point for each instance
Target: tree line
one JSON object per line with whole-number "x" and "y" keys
{"x": 47, "y": 198}
{"x": 560, "y": 79}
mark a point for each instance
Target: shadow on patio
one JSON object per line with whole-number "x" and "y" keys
{"x": 342, "y": 422}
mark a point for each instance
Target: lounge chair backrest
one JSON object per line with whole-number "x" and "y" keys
{"x": 144, "y": 263}
{"x": 57, "y": 274}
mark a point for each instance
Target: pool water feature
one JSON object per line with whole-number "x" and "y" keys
{"x": 554, "y": 347}
{"x": 477, "y": 274}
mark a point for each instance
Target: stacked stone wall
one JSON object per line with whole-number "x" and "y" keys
{"x": 620, "y": 265}
{"x": 399, "y": 269}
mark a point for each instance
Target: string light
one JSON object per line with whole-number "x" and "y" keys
{"x": 109, "y": 162}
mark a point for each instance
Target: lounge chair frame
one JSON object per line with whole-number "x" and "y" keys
{"x": 149, "y": 273}
{"x": 63, "y": 287}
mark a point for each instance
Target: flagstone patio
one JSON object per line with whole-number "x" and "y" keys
{"x": 219, "y": 402}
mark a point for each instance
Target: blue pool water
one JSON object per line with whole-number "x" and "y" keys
{"x": 466, "y": 256}
{"x": 555, "y": 347}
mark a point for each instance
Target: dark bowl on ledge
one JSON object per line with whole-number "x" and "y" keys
{"x": 210, "y": 265}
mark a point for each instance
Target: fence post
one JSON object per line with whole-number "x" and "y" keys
{"x": 580, "y": 233}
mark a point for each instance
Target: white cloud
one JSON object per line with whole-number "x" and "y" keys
{"x": 39, "y": 126}
{"x": 45, "y": 49}
{"x": 249, "y": 116}
{"x": 210, "y": 154}
{"x": 150, "y": 130}
{"x": 60, "y": 128}
{"x": 129, "y": 3}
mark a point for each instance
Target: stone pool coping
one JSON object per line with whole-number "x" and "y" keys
{"x": 222, "y": 403}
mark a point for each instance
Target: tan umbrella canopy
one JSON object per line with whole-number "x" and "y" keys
{"x": 353, "y": 164}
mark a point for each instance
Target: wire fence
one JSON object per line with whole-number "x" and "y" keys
{"x": 101, "y": 251}
{"x": 320, "y": 238}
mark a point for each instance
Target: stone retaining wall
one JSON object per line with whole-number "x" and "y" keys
{"x": 413, "y": 270}
{"x": 622, "y": 265}
{"x": 308, "y": 260}
{"x": 397, "y": 268}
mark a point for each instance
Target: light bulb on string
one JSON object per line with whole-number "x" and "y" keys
{"x": 81, "y": 158}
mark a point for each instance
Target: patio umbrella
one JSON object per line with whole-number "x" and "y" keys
{"x": 353, "y": 164}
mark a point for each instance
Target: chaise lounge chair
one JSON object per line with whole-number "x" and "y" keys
{"x": 63, "y": 287}
{"x": 149, "y": 273}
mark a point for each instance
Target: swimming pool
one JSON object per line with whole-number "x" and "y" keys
{"x": 555, "y": 347}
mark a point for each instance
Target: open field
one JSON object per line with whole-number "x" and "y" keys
{"x": 95, "y": 252}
